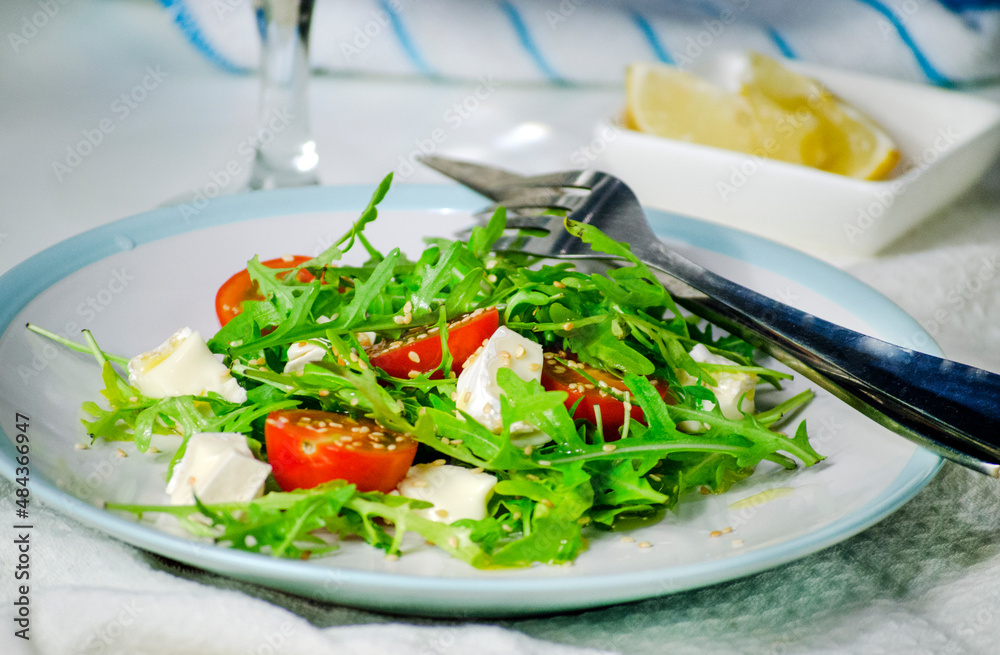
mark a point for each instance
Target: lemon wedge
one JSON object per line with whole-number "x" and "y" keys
{"x": 776, "y": 113}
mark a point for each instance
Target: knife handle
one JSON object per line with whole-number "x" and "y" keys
{"x": 949, "y": 408}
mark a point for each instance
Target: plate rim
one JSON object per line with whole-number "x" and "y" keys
{"x": 519, "y": 596}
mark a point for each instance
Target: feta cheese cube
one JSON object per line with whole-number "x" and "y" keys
{"x": 180, "y": 366}
{"x": 729, "y": 388}
{"x": 456, "y": 492}
{"x": 301, "y": 353}
{"x": 219, "y": 468}
{"x": 478, "y": 391}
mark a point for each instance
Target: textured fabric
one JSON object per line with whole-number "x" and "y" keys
{"x": 942, "y": 42}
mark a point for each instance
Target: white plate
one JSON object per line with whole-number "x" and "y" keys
{"x": 135, "y": 281}
{"x": 946, "y": 140}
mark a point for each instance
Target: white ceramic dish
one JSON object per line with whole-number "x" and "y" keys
{"x": 946, "y": 141}
{"x": 132, "y": 271}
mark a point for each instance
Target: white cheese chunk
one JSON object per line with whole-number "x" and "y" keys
{"x": 478, "y": 393}
{"x": 301, "y": 353}
{"x": 456, "y": 492}
{"x": 734, "y": 391}
{"x": 219, "y": 468}
{"x": 180, "y": 366}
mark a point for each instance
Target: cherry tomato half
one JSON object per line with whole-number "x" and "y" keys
{"x": 559, "y": 377}
{"x": 308, "y": 447}
{"x": 240, "y": 288}
{"x": 420, "y": 350}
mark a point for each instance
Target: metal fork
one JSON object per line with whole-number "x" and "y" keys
{"x": 949, "y": 408}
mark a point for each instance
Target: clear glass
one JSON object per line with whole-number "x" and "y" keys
{"x": 286, "y": 152}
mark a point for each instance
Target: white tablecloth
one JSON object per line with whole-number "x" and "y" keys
{"x": 924, "y": 580}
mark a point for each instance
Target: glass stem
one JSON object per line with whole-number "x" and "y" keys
{"x": 285, "y": 151}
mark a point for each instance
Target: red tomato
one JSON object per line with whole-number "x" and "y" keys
{"x": 308, "y": 447}
{"x": 420, "y": 350}
{"x": 558, "y": 377}
{"x": 240, "y": 288}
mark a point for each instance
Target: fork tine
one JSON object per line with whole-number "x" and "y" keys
{"x": 539, "y": 222}
{"x": 482, "y": 179}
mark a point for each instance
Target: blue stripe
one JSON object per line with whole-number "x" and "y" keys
{"x": 189, "y": 26}
{"x": 405, "y": 40}
{"x": 781, "y": 43}
{"x": 651, "y": 38}
{"x": 928, "y": 69}
{"x": 521, "y": 29}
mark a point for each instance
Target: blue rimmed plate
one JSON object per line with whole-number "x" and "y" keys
{"x": 133, "y": 282}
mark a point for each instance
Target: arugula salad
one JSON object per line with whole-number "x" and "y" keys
{"x": 500, "y": 407}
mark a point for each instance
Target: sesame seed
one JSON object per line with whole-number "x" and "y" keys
{"x": 608, "y": 447}
{"x": 443, "y": 513}
{"x": 323, "y": 392}
{"x": 354, "y": 402}
{"x": 287, "y": 258}
{"x": 726, "y": 530}
{"x": 466, "y": 397}
{"x": 528, "y": 449}
{"x": 437, "y": 462}
{"x": 568, "y": 326}
{"x": 408, "y": 318}
{"x": 413, "y": 374}
{"x": 644, "y": 544}
{"x": 491, "y": 278}
{"x": 82, "y": 446}
{"x": 532, "y": 477}
{"x": 452, "y": 540}
{"x": 398, "y": 320}
{"x": 627, "y": 540}
{"x": 487, "y": 408}
{"x": 520, "y": 352}
{"x": 544, "y": 462}
{"x": 506, "y": 528}
{"x": 414, "y": 357}
{"x": 408, "y": 307}
{"x": 391, "y": 446}
{"x": 534, "y": 366}
{"x": 715, "y": 533}
{"x": 152, "y": 450}
{"x": 516, "y": 516}
{"x": 121, "y": 453}
{"x": 559, "y": 285}
{"x": 476, "y": 471}
{"x": 559, "y": 369}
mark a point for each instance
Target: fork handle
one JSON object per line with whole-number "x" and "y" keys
{"x": 946, "y": 407}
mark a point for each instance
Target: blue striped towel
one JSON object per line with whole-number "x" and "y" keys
{"x": 943, "y": 42}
